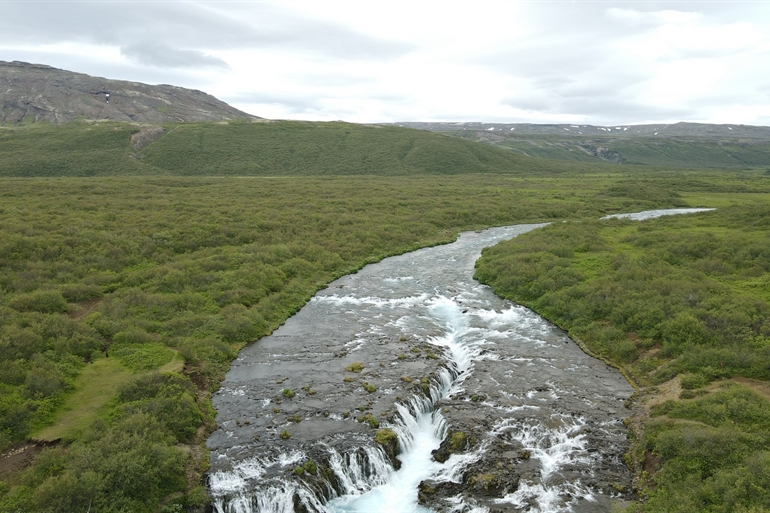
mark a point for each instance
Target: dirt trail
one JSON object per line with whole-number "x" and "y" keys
{"x": 21, "y": 455}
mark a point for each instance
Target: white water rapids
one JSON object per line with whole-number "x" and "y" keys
{"x": 420, "y": 434}
{"x": 538, "y": 420}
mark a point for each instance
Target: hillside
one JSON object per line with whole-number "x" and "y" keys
{"x": 265, "y": 148}
{"x": 35, "y": 92}
{"x": 687, "y": 145}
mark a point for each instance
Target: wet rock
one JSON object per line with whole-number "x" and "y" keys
{"x": 388, "y": 440}
{"x": 493, "y": 484}
{"x": 454, "y": 442}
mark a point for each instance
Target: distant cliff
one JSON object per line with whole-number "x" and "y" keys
{"x": 34, "y": 92}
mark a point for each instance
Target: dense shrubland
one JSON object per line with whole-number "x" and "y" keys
{"x": 149, "y": 286}
{"x": 123, "y": 300}
{"x": 681, "y": 296}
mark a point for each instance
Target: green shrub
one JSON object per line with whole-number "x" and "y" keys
{"x": 44, "y": 301}
{"x": 141, "y": 357}
{"x": 691, "y": 381}
{"x": 80, "y": 292}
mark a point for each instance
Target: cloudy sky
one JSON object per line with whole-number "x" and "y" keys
{"x": 575, "y": 61}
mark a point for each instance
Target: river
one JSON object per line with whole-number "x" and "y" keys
{"x": 492, "y": 407}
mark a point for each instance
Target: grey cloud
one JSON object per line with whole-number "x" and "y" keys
{"x": 623, "y": 110}
{"x": 605, "y": 98}
{"x": 188, "y": 27}
{"x": 299, "y": 102}
{"x": 293, "y": 103}
{"x": 158, "y": 55}
{"x": 531, "y": 102}
{"x": 611, "y": 110}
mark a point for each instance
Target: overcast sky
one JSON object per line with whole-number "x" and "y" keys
{"x": 592, "y": 62}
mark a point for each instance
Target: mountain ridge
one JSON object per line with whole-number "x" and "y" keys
{"x": 683, "y": 145}
{"x": 680, "y": 129}
{"x": 38, "y": 92}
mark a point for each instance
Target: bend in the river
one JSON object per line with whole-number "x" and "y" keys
{"x": 411, "y": 387}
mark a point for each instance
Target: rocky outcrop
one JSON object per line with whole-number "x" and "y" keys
{"x": 602, "y": 153}
{"x": 34, "y": 92}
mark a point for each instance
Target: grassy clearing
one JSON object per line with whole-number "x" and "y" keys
{"x": 96, "y": 385}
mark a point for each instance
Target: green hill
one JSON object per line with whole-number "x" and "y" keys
{"x": 681, "y": 145}
{"x": 246, "y": 149}
{"x": 651, "y": 151}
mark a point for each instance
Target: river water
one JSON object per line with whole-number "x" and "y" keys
{"x": 494, "y": 408}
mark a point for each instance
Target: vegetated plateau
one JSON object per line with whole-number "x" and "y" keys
{"x": 136, "y": 260}
{"x": 685, "y": 145}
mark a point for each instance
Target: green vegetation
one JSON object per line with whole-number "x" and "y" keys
{"x": 103, "y": 280}
{"x": 73, "y": 149}
{"x": 683, "y": 298}
{"x": 457, "y": 440}
{"x": 93, "y": 388}
{"x": 309, "y": 466}
{"x": 684, "y": 152}
{"x": 369, "y": 419}
{"x": 355, "y": 367}
{"x": 124, "y": 298}
{"x": 386, "y": 437}
{"x": 714, "y": 453}
{"x": 127, "y": 462}
{"x": 306, "y": 148}
{"x": 270, "y": 148}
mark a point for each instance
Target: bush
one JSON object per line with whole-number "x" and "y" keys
{"x": 132, "y": 337}
{"x": 45, "y": 301}
{"x": 80, "y": 292}
{"x": 691, "y": 381}
{"x": 142, "y": 357}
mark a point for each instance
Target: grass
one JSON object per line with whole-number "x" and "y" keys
{"x": 96, "y": 385}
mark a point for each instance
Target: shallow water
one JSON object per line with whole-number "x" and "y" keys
{"x": 540, "y": 421}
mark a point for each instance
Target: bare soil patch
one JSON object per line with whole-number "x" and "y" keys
{"x": 667, "y": 391}
{"x": 760, "y": 387}
{"x": 19, "y": 456}
{"x": 85, "y": 308}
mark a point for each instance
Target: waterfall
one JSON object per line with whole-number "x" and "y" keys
{"x": 415, "y": 346}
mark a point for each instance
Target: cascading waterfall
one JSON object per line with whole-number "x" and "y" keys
{"x": 420, "y": 428}
{"x": 492, "y": 407}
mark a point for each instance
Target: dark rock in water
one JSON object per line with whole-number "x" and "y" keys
{"x": 388, "y": 440}
{"x": 454, "y": 442}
